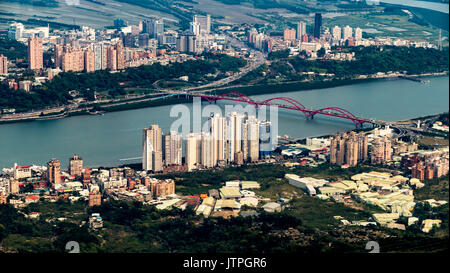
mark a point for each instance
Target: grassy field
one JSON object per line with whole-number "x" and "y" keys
{"x": 319, "y": 213}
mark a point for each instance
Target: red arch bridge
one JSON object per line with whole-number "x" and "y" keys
{"x": 290, "y": 104}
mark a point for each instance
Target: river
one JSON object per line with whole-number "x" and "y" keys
{"x": 109, "y": 139}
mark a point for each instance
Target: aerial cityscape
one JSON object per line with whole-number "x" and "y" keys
{"x": 224, "y": 126}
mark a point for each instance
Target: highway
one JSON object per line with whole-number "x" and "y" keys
{"x": 258, "y": 59}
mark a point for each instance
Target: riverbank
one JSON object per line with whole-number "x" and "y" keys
{"x": 250, "y": 90}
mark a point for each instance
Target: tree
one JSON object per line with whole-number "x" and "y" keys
{"x": 321, "y": 52}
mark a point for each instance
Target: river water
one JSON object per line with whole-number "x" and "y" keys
{"x": 115, "y": 138}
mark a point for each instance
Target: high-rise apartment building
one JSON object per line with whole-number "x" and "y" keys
{"x": 152, "y": 149}
{"x": 204, "y": 22}
{"x": 301, "y": 30}
{"x": 100, "y": 56}
{"x": 336, "y": 34}
{"x": 76, "y": 166}
{"x": 15, "y": 31}
{"x": 172, "y": 154}
{"x": 207, "y": 150}
{"x": 89, "y": 60}
{"x": 111, "y": 58}
{"x": 348, "y": 149}
{"x": 289, "y": 34}
{"x": 358, "y": 34}
{"x": 154, "y": 27}
{"x": 72, "y": 59}
{"x": 187, "y": 42}
{"x": 3, "y": 65}
{"x": 251, "y": 126}
{"x": 233, "y": 135}
{"x": 120, "y": 56}
{"x": 191, "y": 155}
{"x": 35, "y": 53}
{"x": 194, "y": 27}
{"x": 217, "y": 127}
{"x": 348, "y": 33}
{"x": 115, "y": 57}
{"x": 53, "y": 172}
{"x": 381, "y": 151}
{"x": 158, "y": 27}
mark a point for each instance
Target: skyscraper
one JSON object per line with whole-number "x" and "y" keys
{"x": 207, "y": 147}
{"x": 100, "y": 56}
{"x": 120, "y": 56}
{"x": 217, "y": 125}
{"x": 35, "y": 54}
{"x": 337, "y": 33}
{"x": 301, "y": 30}
{"x": 187, "y": 42}
{"x": 158, "y": 28}
{"x": 194, "y": 27}
{"x": 233, "y": 136}
{"x": 89, "y": 61}
{"x": 204, "y": 22}
{"x": 15, "y": 31}
{"x": 172, "y": 153}
{"x": 192, "y": 148}
{"x": 358, "y": 34}
{"x": 111, "y": 58}
{"x": 317, "y": 25}
{"x": 147, "y": 27}
{"x": 154, "y": 27}
{"x": 252, "y": 127}
{"x": 348, "y": 32}
{"x": 152, "y": 149}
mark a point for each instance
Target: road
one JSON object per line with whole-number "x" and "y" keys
{"x": 258, "y": 59}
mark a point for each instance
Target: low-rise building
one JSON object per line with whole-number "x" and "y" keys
{"x": 272, "y": 207}
{"x": 230, "y": 192}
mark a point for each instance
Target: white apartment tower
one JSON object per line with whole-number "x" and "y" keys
{"x": 172, "y": 149}
{"x": 348, "y": 32}
{"x": 204, "y": 22}
{"x": 252, "y": 128}
{"x": 217, "y": 125}
{"x": 191, "y": 151}
{"x": 301, "y": 30}
{"x": 207, "y": 147}
{"x": 358, "y": 34}
{"x": 152, "y": 149}
{"x": 337, "y": 34}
